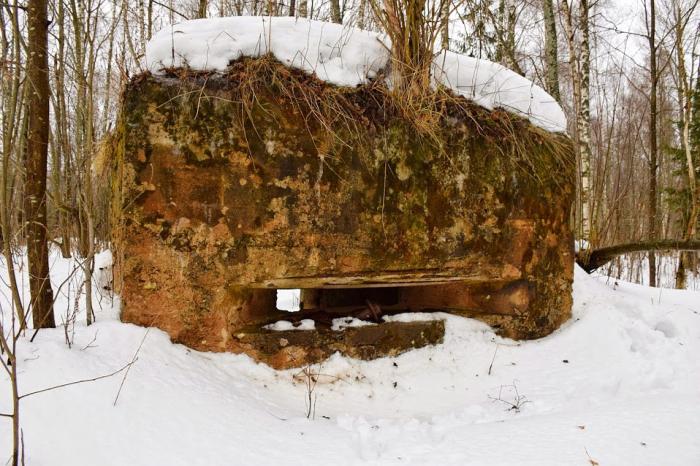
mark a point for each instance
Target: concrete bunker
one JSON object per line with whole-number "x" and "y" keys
{"x": 230, "y": 186}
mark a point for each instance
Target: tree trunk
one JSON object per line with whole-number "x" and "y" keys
{"x": 574, "y": 70}
{"x": 362, "y": 9}
{"x": 551, "y": 50}
{"x": 584, "y": 127}
{"x": 15, "y": 411}
{"x": 35, "y": 165}
{"x": 599, "y": 257}
{"x": 505, "y": 37}
{"x": 653, "y": 149}
{"x": 202, "y": 9}
{"x": 84, "y": 60}
{"x": 61, "y": 144}
{"x": 686, "y": 99}
{"x": 445, "y": 25}
{"x": 149, "y": 20}
{"x": 142, "y": 23}
{"x": 335, "y": 12}
{"x": 13, "y": 124}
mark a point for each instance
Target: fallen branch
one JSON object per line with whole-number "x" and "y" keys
{"x": 63, "y": 385}
{"x": 592, "y": 260}
{"x": 91, "y": 342}
{"x": 133, "y": 360}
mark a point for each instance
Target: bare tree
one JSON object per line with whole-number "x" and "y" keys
{"x": 35, "y": 164}
{"x": 574, "y": 71}
{"x": 14, "y": 120}
{"x": 650, "y": 21}
{"x": 685, "y": 103}
{"x": 584, "y": 125}
{"x": 8, "y": 344}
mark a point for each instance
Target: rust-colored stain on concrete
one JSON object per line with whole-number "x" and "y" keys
{"x": 218, "y": 201}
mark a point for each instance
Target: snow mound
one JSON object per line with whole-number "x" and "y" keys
{"x": 284, "y": 325}
{"x": 342, "y": 323}
{"x": 344, "y": 56}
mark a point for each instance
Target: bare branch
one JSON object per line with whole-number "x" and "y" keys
{"x": 68, "y": 384}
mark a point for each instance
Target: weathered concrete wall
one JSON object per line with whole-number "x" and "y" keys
{"x": 219, "y": 201}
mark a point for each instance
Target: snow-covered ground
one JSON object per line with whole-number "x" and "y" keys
{"x": 342, "y": 55}
{"x": 617, "y": 385}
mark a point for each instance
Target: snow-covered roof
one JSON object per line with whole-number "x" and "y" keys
{"x": 344, "y": 56}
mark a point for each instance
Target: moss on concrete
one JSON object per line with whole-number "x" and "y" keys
{"x": 268, "y": 178}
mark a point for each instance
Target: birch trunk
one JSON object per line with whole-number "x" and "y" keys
{"x": 685, "y": 96}
{"x": 445, "y": 25}
{"x": 584, "y": 126}
{"x": 574, "y": 66}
